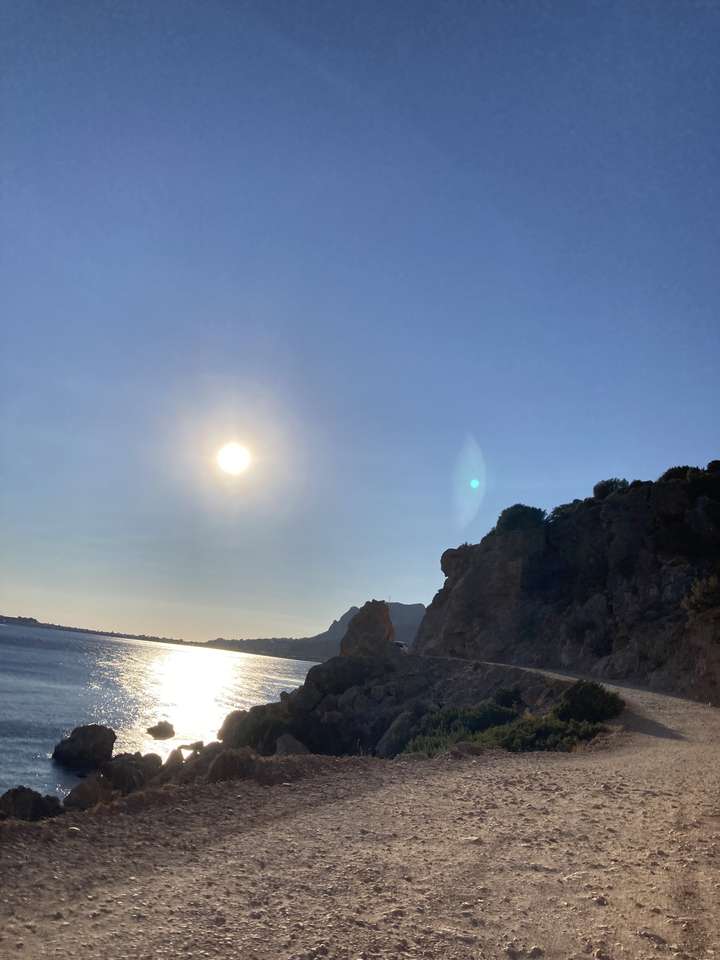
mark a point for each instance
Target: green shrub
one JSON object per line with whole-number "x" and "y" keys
{"x": 498, "y": 723}
{"x": 520, "y": 517}
{"x": 439, "y": 730}
{"x": 586, "y": 701}
{"x": 605, "y": 487}
{"x": 466, "y": 720}
{"x": 675, "y": 473}
{"x": 538, "y": 733}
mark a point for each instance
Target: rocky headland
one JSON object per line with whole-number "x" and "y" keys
{"x": 623, "y": 585}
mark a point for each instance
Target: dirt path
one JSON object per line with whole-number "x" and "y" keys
{"x": 612, "y": 853}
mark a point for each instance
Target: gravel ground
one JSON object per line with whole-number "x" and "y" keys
{"x": 613, "y": 852}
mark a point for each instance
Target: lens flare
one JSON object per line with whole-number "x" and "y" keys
{"x": 469, "y": 482}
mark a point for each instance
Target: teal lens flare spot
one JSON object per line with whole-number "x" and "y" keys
{"x": 474, "y": 483}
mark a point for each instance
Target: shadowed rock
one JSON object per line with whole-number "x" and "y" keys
{"x": 88, "y": 793}
{"x": 22, "y": 803}
{"x": 86, "y": 748}
{"x": 232, "y": 765}
{"x": 370, "y": 632}
{"x": 364, "y": 705}
{"x": 288, "y": 745}
{"x": 622, "y": 585}
{"x": 163, "y": 730}
{"x": 131, "y": 771}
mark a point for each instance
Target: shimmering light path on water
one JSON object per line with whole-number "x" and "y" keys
{"x": 53, "y": 680}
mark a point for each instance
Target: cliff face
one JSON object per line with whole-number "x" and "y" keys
{"x": 623, "y": 585}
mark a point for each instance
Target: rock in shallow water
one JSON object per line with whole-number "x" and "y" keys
{"x": 163, "y": 730}
{"x": 86, "y": 748}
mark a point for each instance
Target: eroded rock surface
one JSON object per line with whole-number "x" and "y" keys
{"x": 22, "y": 803}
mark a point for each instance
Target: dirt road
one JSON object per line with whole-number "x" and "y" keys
{"x": 611, "y": 853}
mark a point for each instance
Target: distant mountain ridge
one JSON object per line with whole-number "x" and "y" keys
{"x": 405, "y": 618}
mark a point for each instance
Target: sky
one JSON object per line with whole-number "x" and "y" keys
{"x": 392, "y": 247}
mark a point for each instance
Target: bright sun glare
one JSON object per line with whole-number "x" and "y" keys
{"x": 233, "y": 458}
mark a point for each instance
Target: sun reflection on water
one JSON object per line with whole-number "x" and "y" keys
{"x": 194, "y": 689}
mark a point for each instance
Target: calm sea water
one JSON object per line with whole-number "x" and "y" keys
{"x": 53, "y": 680}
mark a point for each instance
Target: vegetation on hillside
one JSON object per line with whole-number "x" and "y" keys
{"x": 503, "y": 722}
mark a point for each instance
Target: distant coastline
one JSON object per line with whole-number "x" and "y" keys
{"x": 253, "y": 647}
{"x": 34, "y": 622}
{"x": 322, "y": 646}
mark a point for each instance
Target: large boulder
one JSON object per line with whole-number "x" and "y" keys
{"x": 86, "y": 748}
{"x": 370, "y": 633}
{"x": 89, "y": 792}
{"x": 231, "y": 725}
{"x": 127, "y": 772}
{"x": 22, "y": 803}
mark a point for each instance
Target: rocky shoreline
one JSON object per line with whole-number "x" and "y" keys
{"x": 607, "y": 852}
{"x": 372, "y": 700}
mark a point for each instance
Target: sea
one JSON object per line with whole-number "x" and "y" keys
{"x": 54, "y": 680}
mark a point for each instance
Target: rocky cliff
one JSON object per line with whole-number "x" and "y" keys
{"x": 622, "y": 585}
{"x": 373, "y": 698}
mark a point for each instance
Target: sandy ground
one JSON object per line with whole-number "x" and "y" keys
{"x": 609, "y": 853}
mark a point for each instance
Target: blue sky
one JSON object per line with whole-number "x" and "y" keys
{"x": 387, "y": 245}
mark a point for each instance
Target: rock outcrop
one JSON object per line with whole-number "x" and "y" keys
{"x": 370, "y": 633}
{"x": 22, "y": 803}
{"x": 131, "y": 771}
{"x": 86, "y": 748}
{"x": 352, "y": 705}
{"x": 622, "y": 585}
{"x": 89, "y": 793}
{"x": 163, "y": 730}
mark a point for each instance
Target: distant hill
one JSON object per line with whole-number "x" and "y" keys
{"x": 406, "y": 619}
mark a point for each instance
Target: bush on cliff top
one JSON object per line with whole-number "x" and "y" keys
{"x": 675, "y": 473}
{"x": 520, "y": 517}
{"x": 604, "y": 488}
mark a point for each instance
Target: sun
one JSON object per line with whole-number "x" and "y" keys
{"x": 233, "y": 458}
